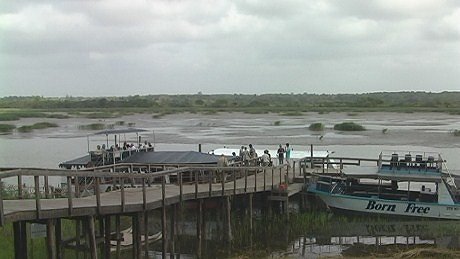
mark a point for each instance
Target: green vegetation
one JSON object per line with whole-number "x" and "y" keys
{"x": 456, "y": 133}
{"x": 92, "y": 126}
{"x": 348, "y": 126}
{"x": 13, "y": 108}
{"x": 291, "y": 113}
{"x": 385, "y": 131}
{"x": 6, "y": 128}
{"x": 277, "y": 123}
{"x": 318, "y": 126}
{"x": 38, "y": 125}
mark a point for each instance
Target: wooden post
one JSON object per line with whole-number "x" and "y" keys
{"x": 144, "y": 195}
{"x": 91, "y": 231}
{"x": 228, "y": 229}
{"x": 234, "y": 182}
{"x": 51, "y": 238}
{"x": 224, "y": 175}
{"x": 118, "y": 235}
{"x": 122, "y": 193}
{"x": 273, "y": 177}
{"x": 199, "y": 227}
{"x": 98, "y": 195}
{"x": 20, "y": 187}
{"x": 107, "y": 237}
{"x": 69, "y": 195}
{"x": 77, "y": 187}
{"x": 265, "y": 179}
{"x": 137, "y": 251}
{"x": 77, "y": 236}
{"x": 37, "y": 196}
{"x": 312, "y": 163}
{"x": 173, "y": 232}
{"x": 250, "y": 219}
{"x": 163, "y": 217}
{"x": 210, "y": 182}
{"x": 245, "y": 180}
{"x": 255, "y": 180}
{"x": 196, "y": 184}
{"x": 20, "y": 239}
{"x": 47, "y": 187}
{"x": 181, "y": 188}
{"x": 146, "y": 234}
{"x": 293, "y": 169}
{"x": 2, "y": 215}
{"x": 58, "y": 234}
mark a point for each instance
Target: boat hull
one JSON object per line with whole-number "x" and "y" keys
{"x": 340, "y": 202}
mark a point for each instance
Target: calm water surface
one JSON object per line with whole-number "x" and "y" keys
{"x": 415, "y": 132}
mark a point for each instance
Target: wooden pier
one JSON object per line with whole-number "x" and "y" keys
{"x": 135, "y": 190}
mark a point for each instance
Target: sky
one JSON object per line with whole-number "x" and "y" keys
{"x": 140, "y": 47}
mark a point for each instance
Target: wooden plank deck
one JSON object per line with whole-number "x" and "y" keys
{"x": 111, "y": 202}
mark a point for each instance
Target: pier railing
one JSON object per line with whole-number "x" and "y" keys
{"x": 186, "y": 182}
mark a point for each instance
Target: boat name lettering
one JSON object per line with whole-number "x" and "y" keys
{"x": 412, "y": 208}
{"x": 373, "y": 205}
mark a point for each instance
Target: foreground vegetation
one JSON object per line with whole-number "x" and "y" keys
{"x": 14, "y": 108}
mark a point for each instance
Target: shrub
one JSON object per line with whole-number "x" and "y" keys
{"x": 6, "y": 128}
{"x": 348, "y": 126}
{"x": 318, "y": 126}
{"x": 456, "y": 133}
{"x": 44, "y": 125}
{"x": 25, "y": 129}
{"x": 93, "y": 126}
{"x": 277, "y": 123}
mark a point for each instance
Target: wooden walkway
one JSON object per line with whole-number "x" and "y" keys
{"x": 140, "y": 199}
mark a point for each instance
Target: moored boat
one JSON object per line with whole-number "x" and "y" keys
{"x": 402, "y": 184}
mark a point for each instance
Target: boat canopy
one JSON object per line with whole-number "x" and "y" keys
{"x": 171, "y": 157}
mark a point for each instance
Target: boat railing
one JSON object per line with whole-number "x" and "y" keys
{"x": 107, "y": 157}
{"x": 451, "y": 179}
{"x": 410, "y": 160}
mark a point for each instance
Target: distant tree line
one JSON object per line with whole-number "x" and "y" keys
{"x": 444, "y": 100}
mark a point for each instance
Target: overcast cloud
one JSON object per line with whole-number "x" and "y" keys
{"x": 105, "y": 48}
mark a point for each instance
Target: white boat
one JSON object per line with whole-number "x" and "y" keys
{"x": 420, "y": 187}
{"x": 295, "y": 154}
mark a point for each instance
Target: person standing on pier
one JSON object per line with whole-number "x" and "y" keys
{"x": 288, "y": 153}
{"x": 281, "y": 154}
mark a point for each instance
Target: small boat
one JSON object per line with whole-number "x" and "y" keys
{"x": 416, "y": 184}
{"x": 319, "y": 155}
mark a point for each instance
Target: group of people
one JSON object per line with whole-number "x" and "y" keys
{"x": 117, "y": 153}
{"x": 249, "y": 156}
{"x": 284, "y": 152}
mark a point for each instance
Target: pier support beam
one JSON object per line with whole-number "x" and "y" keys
{"x": 91, "y": 232}
{"x": 20, "y": 239}
{"x": 228, "y": 220}
{"x": 199, "y": 230}
{"x": 107, "y": 237}
{"x": 51, "y": 238}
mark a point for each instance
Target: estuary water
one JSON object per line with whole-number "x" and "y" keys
{"x": 336, "y": 236}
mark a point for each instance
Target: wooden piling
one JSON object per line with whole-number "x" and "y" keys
{"x": 37, "y": 196}
{"x": 20, "y": 239}
{"x": 118, "y": 235}
{"x": 58, "y": 234}
{"x": 91, "y": 232}
{"x": 51, "y": 238}
{"x": 199, "y": 229}
{"x": 163, "y": 217}
{"x": 173, "y": 230}
{"x": 228, "y": 221}
{"x": 146, "y": 234}
{"x": 107, "y": 237}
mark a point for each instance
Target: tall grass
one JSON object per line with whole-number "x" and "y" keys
{"x": 318, "y": 126}
{"x": 6, "y": 128}
{"x": 38, "y": 125}
{"x": 349, "y": 126}
{"x": 92, "y": 126}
